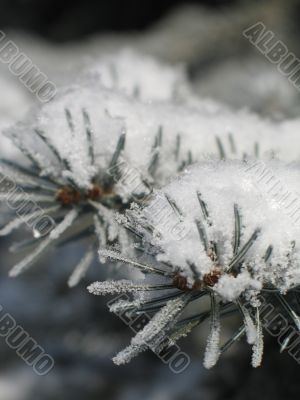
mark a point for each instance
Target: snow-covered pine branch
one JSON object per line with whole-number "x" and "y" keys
{"x": 239, "y": 246}
{"x": 98, "y": 150}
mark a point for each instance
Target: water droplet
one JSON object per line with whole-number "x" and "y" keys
{"x": 36, "y": 234}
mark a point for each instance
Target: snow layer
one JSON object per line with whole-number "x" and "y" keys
{"x": 188, "y": 133}
{"x": 268, "y": 200}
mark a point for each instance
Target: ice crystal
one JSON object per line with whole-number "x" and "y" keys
{"x": 212, "y": 351}
{"x": 258, "y": 344}
{"x": 154, "y": 331}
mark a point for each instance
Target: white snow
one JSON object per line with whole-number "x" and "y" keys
{"x": 202, "y": 134}
{"x": 222, "y": 185}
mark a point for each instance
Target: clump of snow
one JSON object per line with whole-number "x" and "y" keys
{"x": 231, "y": 287}
{"x": 222, "y": 186}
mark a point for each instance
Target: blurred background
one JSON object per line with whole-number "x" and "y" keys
{"x": 205, "y": 38}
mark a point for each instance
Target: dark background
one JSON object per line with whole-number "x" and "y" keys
{"x": 62, "y": 20}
